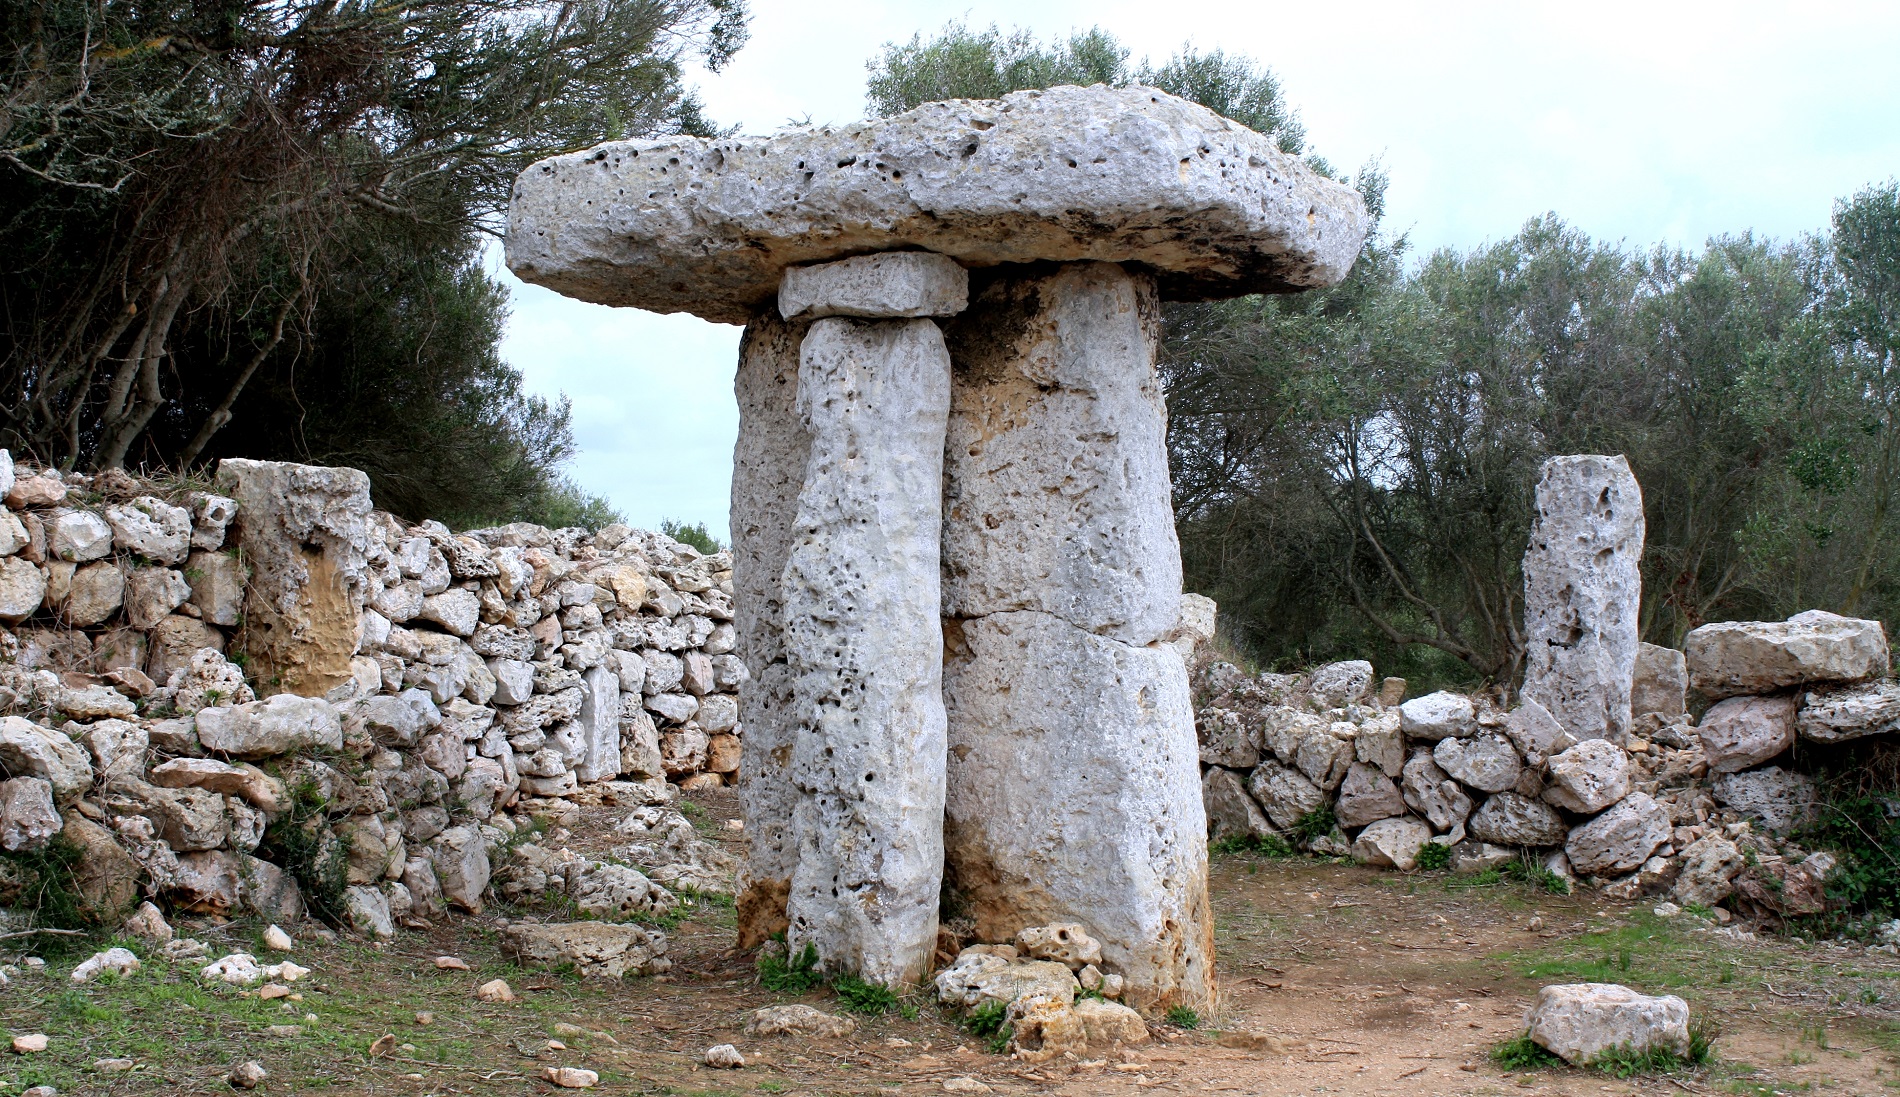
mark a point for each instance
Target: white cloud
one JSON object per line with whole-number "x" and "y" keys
{"x": 1640, "y": 122}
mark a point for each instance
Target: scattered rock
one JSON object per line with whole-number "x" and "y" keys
{"x": 572, "y": 1077}
{"x": 238, "y": 969}
{"x": 451, "y": 963}
{"x": 148, "y": 924}
{"x": 724, "y": 1057}
{"x": 1107, "y": 1024}
{"x": 1043, "y": 1027}
{"x": 495, "y": 990}
{"x": 798, "y": 1020}
{"x": 594, "y": 948}
{"x": 277, "y": 940}
{"x": 247, "y": 1075}
{"x": 1709, "y": 868}
{"x": 29, "y": 1042}
{"x": 113, "y": 961}
{"x": 1392, "y": 843}
{"x": 1580, "y": 1022}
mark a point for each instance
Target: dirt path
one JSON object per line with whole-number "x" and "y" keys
{"x": 1337, "y": 980}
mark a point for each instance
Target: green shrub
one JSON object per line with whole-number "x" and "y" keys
{"x": 41, "y": 881}
{"x": 1267, "y": 845}
{"x": 789, "y": 974}
{"x": 1434, "y": 857}
{"x": 986, "y": 1019}
{"x": 857, "y": 996}
{"x": 695, "y": 535}
{"x": 1524, "y": 1053}
{"x": 1315, "y": 824}
{"x": 301, "y": 841}
{"x": 1184, "y": 1017}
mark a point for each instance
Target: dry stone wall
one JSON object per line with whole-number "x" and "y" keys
{"x": 1689, "y": 811}
{"x": 184, "y": 669}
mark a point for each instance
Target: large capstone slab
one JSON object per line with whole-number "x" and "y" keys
{"x": 1134, "y": 175}
{"x": 1583, "y": 591}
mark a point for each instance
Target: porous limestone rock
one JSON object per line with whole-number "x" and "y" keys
{"x": 217, "y": 586}
{"x": 151, "y": 594}
{"x": 1582, "y": 593}
{"x": 304, "y": 532}
{"x": 1381, "y": 742}
{"x": 1620, "y": 839}
{"x": 864, "y": 644}
{"x": 1226, "y": 740}
{"x": 1286, "y": 796}
{"x": 117, "y": 747}
{"x": 599, "y": 949}
{"x": 1440, "y": 715}
{"x": 1781, "y": 800}
{"x": 1114, "y": 833}
{"x": 282, "y": 724}
{"x": 1196, "y": 625}
{"x": 1588, "y": 777}
{"x": 1064, "y": 942}
{"x": 1433, "y": 794}
{"x": 1042, "y": 1027}
{"x": 77, "y": 536}
{"x": 1367, "y": 795}
{"x": 1709, "y": 868}
{"x": 768, "y": 469}
{"x": 798, "y": 1019}
{"x": 1338, "y": 684}
{"x": 979, "y": 975}
{"x": 1231, "y": 813}
{"x": 1835, "y": 714}
{"x": 1508, "y": 819}
{"x": 1535, "y": 732}
{"x": 1580, "y": 1022}
{"x": 28, "y": 749}
{"x": 93, "y": 593}
{"x": 1056, "y": 496}
{"x": 1486, "y": 762}
{"x": 887, "y": 285}
{"x": 1392, "y": 843}
{"x": 1752, "y": 657}
{"x": 1108, "y": 1024}
{"x": 152, "y": 528}
{"x": 1746, "y": 731}
{"x": 1660, "y": 684}
{"x": 22, "y": 589}
{"x": 1117, "y": 174}
{"x": 28, "y": 817}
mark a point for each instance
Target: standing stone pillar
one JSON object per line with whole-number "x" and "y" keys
{"x": 1583, "y": 591}
{"x": 768, "y": 467}
{"x": 1074, "y": 780}
{"x": 863, "y": 638}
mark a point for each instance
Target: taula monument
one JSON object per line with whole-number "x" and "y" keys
{"x": 954, "y": 556}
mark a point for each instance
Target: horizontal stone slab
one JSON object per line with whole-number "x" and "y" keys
{"x": 1125, "y": 175}
{"x": 889, "y": 285}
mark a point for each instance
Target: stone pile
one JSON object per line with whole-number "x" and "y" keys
{"x": 181, "y": 669}
{"x": 955, "y": 570}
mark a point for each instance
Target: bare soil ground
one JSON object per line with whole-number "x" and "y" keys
{"x": 1336, "y": 980}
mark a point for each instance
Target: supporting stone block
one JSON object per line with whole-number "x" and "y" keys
{"x": 864, "y": 646}
{"x": 768, "y": 467}
{"x": 1073, "y": 786}
{"x": 889, "y": 285}
{"x": 1583, "y": 591}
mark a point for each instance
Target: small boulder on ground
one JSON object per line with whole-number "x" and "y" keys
{"x": 1579, "y": 1022}
{"x": 798, "y": 1020}
{"x": 724, "y": 1057}
{"x": 599, "y": 949}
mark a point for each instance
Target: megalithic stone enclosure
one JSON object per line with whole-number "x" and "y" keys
{"x": 954, "y": 553}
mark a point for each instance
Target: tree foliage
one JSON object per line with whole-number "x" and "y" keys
{"x": 1353, "y": 467}
{"x": 200, "y": 195}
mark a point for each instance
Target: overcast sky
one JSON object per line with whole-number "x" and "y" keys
{"x": 1639, "y": 122}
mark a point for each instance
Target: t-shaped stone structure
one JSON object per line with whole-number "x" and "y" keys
{"x": 954, "y": 554}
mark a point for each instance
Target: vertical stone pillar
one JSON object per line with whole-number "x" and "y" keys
{"x": 1583, "y": 591}
{"x": 768, "y": 467}
{"x": 1074, "y": 780}
{"x": 304, "y": 533}
{"x": 862, "y": 602}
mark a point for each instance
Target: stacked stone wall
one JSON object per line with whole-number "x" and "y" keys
{"x": 183, "y": 666}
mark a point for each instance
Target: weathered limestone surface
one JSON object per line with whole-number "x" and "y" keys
{"x": 889, "y": 285}
{"x": 1074, "y": 796}
{"x": 1056, "y": 493}
{"x": 1834, "y": 714}
{"x": 1581, "y": 1021}
{"x": 1737, "y": 657}
{"x": 1660, "y": 683}
{"x": 1073, "y": 780}
{"x": 1582, "y": 593}
{"x": 864, "y": 645}
{"x": 768, "y": 467}
{"x": 304, "y": 532}
{"x": 682, "y": 224}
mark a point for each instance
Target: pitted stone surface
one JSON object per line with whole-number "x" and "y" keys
{"x": 768, "y": 467}
{"x": 1833, "y": 714}
{"x": 1056, "y": 493}
{"x": 1116, "y": 174}
{"x": 864, "y": 644}
{"x": 1074, "y": 795}
{"x": 892, "y": 284}
{"x": 1582, "y": 593}
{"x": 1737, "y": 657}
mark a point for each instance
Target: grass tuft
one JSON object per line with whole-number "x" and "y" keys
{"x": 1524, "y": 1053}
{"x": 1184, "y": 1017}
{"x": 789, "y": 974}
{"x": 1434, "y": 857}
{"x": 857, "y": 996}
